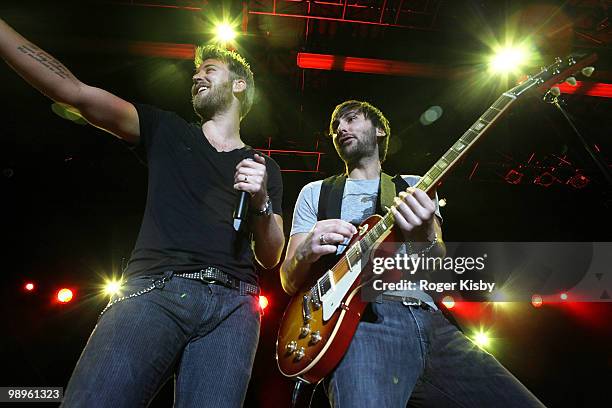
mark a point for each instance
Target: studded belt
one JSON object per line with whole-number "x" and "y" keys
{"x": 214, "y": 275}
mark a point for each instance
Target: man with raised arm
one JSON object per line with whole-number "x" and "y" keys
{"x": 189, "y": 306}
{"x": 404, "y": 351}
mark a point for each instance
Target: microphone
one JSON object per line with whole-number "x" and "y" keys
{"x": 242, "y": 209}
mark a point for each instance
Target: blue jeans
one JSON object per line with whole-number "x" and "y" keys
{"x": 409, "y": 356}
{"x": 204, "y": 334}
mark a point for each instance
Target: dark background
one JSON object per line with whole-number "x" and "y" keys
{"x": 73, "y": 197}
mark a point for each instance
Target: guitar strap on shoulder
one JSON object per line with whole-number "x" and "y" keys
{"x": 386, "y": 194}
{"x": 332, "y": 190}
{"x": 330, "y": 199}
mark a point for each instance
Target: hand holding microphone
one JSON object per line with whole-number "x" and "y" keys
{"x": 251, "y": 179}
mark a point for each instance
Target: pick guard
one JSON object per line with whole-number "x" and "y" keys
{"x": 334, "y": 296}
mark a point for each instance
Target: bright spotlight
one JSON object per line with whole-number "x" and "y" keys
{"x": 448, "y": 302}
{"x": 112, "y": 287}
{"x": 225, "y": 33}
{"x": 64, "y": 295}
{"x": 563, "y": 296}
{"x": 29, "y": 286}
{"x": 263, "y": 302}
{"x": 508, "y": 59}
{"x": 482, "y": 339}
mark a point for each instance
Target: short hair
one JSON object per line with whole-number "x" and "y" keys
{"x": 238, "y": 67}
{"x": 370, "y": 112}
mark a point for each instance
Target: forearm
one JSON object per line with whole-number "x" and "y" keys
{"x": 293, "y": 272}
{"x": 269, "y": 239}
{"x": 37, "y": 67}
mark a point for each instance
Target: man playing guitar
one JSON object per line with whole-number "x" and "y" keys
{"x": 404, "y": 350}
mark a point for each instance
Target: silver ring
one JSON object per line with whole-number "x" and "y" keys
{"x": 245, "y": 178}
{"x": 322, "y": 240}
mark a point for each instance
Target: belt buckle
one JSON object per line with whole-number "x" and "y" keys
{"x": 204, "y": 278}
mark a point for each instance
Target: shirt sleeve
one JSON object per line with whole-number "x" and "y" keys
{"x": 148, "y": 119}
{"x": 306, "y": 207}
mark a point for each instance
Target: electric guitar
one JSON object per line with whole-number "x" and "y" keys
{"x": 322, "y": 317}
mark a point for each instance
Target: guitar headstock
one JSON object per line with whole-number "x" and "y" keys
{"x": 561, "y": 70}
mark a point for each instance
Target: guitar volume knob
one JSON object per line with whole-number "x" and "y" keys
{"x": 305, "y": 330}
{"x": 315, "y": 337}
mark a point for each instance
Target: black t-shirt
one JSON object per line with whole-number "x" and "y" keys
{"x": 188, "y": 219}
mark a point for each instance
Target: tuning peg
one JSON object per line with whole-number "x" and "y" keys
{"x": 555, "y": 91}
{"x": 571, "y": 80}
{"x": 587, "y": 71}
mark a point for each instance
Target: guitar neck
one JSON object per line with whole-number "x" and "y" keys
{"x": 452, "y": 156}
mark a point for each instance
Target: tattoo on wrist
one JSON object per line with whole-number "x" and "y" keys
{"x": 45, "y": 60}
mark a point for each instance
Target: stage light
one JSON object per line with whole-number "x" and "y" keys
{"x": 563, "y": 296}
{"x": 578, "y": 181}
{"x": 508, "y": 59}
{"x": 513, "y": 177}
{"x": 64, "y": 295}
{"x": 29, "y": 286}
{"x": 263, "y": 302}
{"x": 482, "y": 339}
{"x": 545, "y": 179}
{"x": 112, "y": 287}
{"x": 448, "y": 302}
{"x": 536, "y": 300}
{"x": 224, "y": 33}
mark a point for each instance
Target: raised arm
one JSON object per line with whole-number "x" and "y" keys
{"x": 99, "y": 107}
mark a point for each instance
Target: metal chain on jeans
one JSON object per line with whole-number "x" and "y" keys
{"x": 157, "y": 284}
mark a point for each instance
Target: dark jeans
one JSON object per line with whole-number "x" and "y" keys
{"x": 204, "y": 334}
{"x": 407, "y": 355}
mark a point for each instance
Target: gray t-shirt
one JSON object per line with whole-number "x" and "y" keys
{"x": 358, "y": 203}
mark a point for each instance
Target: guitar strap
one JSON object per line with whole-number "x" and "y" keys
{"x": 332, "y": 190}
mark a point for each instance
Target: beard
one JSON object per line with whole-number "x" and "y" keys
{"x": 217, "y": 99}
{"x": 358, "y": 148}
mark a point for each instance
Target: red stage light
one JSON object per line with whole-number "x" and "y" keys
{"x": 545, "y": 179}
{"x": 513, "y": 177}
{"x": 578, "y": 181}
{"x": 448, "y": 302}
{"x": 587, "y": 88}
{"x": 64, "y": 295}
{"x": 263, "y": 302}
{"x": 29, "y": 286}
{"x": 563, "y": 296}
{"x": 536, "y": 300}
{"x": 329, "y": 62}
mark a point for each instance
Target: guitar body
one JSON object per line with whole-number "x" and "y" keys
{"x": 321, "y": 356}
